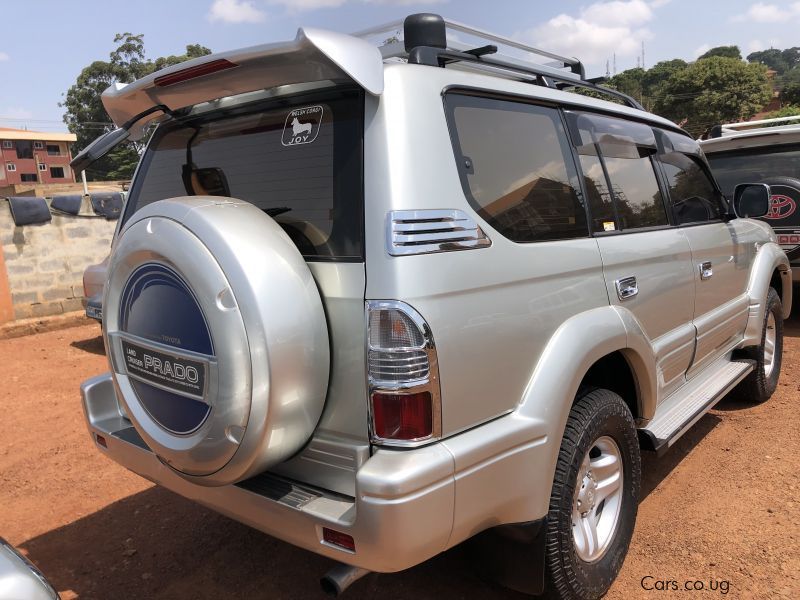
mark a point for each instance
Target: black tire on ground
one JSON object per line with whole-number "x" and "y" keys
{"x": 758, "y": 386}
{"x": 596, "y": 414}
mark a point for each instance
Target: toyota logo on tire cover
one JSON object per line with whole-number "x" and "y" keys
{"x": 780, "y": 207}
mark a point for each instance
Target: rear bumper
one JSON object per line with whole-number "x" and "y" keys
{"x": 410, "y": 505}
{"x": 94, "y": 307}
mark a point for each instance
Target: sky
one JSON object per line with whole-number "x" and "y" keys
{"x": 44, "y": 48}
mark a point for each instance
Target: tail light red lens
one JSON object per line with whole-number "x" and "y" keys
{"x": 402, "y": 416}
{"x": 337, "y": 538}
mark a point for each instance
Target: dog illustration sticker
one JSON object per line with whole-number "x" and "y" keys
{"x": 302, "y": 126}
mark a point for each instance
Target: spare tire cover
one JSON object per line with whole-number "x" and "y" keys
{"x": 217, "y": 337}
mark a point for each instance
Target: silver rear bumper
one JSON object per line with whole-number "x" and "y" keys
{"x": 410, "y": 504}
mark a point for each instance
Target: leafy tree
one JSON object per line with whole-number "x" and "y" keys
{"x": 724, "y": 52}
{"x": 645, "y": 85}
{"x": 629, "y": 82}
{"x": 714, "y": 90}
{"x": 790, "y": 94}
{"x": 779, "y": 61}
{"x": 85, "y": 115}
{"x": 661, "y": 72}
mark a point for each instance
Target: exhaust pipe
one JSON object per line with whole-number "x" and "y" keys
{"x": 339, "y": 578}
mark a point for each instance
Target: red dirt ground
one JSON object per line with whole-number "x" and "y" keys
{"x": 721, "y": 506}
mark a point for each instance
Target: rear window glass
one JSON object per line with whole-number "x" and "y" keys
{"x": 300, "y": 162}
{"x": 516, "y": 168}
{"x": 754, "y": 166}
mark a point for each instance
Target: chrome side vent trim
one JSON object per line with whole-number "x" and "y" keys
{"x": 428, "y": 231}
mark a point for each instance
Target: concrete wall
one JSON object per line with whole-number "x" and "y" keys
{"x": 44, "y": 263}
{"x": 51, "y": 189}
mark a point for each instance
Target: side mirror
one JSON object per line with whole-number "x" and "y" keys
{"x": 751, "y": 199}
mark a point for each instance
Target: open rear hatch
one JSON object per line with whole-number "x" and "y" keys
{"x": 315, "y": 55}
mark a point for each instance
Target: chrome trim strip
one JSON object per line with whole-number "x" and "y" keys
{"x": 411, "y": 232}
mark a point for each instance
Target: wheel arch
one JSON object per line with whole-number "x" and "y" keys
{"x": 576, "y": 356}
{"x": 770, "y": 269}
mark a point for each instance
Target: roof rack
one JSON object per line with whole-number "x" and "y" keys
{"x": 731, "y": 128}
{"x": 426, "y": 42}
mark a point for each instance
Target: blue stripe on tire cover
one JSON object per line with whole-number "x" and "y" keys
{"x": 157, "y": 305}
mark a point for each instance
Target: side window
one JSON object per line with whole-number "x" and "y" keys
{"x": 692, "y": 195}
{"x": 618, "y": 171}
{"x": 516, "y": 167}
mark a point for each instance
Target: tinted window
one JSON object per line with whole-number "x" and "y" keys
{"x": 516, "y": 168}
{"x": 692, "y": 195}
{"x": 754, "y": 166}
{"x": 300, "y": 163}
{"x": 618, "y": 151}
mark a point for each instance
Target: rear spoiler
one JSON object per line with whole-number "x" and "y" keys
{"x": 313, "y": 55}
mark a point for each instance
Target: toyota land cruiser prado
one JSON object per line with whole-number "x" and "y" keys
{"x": 377, "y": 301}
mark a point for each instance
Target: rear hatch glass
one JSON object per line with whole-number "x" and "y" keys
{"x": 298, "y": 159}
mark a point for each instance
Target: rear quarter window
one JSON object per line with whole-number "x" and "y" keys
{"x": 516, "y": 167}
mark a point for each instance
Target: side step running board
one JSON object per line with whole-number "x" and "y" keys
{"x": 684, "y": 408}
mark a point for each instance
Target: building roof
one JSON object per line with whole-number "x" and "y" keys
{"x": 8, "y": 133}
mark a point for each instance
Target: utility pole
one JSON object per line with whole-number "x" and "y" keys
{"x": 643, "y": 55}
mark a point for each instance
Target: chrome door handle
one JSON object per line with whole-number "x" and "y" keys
{"x": 626, "y": 287}
{"x": 705, "y": 270}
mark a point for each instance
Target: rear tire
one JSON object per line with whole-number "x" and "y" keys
{"x": 759, "y": 386}
{"x": 595, "y": 497}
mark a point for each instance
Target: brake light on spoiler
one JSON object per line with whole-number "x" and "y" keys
{"x": 200, "y": 70}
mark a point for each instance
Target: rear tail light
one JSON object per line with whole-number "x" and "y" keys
{"x": 404, "y": 393}
{"x": 402, "y": 416}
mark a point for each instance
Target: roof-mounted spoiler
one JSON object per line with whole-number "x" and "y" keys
{"x": 314, "y": 55}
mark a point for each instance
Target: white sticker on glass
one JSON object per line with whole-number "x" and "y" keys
{"x": 302, "y": 126}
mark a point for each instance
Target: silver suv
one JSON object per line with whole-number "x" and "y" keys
{"x": 377, "y": 301}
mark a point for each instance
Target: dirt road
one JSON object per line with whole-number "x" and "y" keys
{"x": 721, "y": 509}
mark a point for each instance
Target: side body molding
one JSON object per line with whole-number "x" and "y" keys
{"x": 770, "y": 256}
{"x": 314, "y": 55}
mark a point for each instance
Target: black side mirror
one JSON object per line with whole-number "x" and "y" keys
{"x": 751, "y": 200}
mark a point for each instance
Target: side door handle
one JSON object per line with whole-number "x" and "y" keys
{"x": 706, "y": 271}
{"x": 626, "y": 287}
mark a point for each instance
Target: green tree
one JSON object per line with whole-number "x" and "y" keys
{"x": 645, "y": 85}
{"x": 790, "y": 94}
{"x": 629, "y": 82}
{"x": 779, "y": 61}
{"x": 724, "y": 52}
{"x": 714, "y": 90}
{"x": 85, "y": 115}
